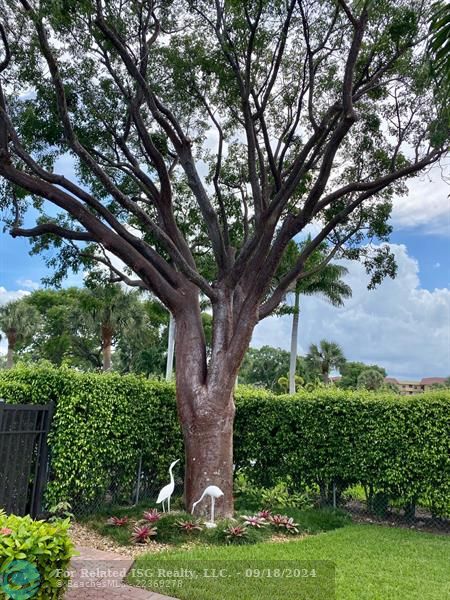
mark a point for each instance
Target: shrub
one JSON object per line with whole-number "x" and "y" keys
{"x": 392, "y": 444}
{"x": 46, "y": 548}
{"x": 103, "y": 423}
{"x": 398, "y": 445}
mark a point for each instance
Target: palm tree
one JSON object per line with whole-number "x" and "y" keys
{"x": 18, "y": 320}
{"x": 440, "y": 42}
{"x": 326, "y": 281}
{"x": 110, "y": 311}
{"x": 325, "y": 357}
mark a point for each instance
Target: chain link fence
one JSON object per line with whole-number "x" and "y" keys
{"x": 366, "y": 505}
{"x": 126, "y": 489}
{"x": 363, "y": 504}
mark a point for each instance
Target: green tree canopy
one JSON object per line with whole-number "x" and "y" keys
{"x": 351, "y": 371}
{"x": 73, "y": 323}
{"x": 263, "y": 367}
{"x": 370, "y": 379}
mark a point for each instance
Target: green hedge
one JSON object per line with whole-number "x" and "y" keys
{"x": 102, "y": 425}
{"x": 399, "y": 445}
{"x": 37, "y": 550}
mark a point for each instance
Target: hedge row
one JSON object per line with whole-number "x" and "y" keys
{"x": 101, "y": 427}
{"x": 399, "y": 445}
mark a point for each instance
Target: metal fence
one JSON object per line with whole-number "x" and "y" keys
{"x": 23, "y": 456}
{"x": 127, "y": 489}
{"x": 363, "y": 505}
{"x": 370, "y": 506}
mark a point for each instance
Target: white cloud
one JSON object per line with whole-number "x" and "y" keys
{"x": 28, "y": 284}
{"x": 400, "y": 326}
{"x": 7, "y": 295}
{"x": 427, "y": 206}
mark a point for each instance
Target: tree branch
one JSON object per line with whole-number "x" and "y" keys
{"x": 52, "y": 228}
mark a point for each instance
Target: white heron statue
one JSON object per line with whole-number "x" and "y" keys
{"x": 166, "y": 492}
{"x": 213, "y": 492}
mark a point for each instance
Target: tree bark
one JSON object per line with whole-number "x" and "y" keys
{"x": 208, "y": 444}
{"x": 294, "y": 340}
{"x": 205, "y": 402}
{"x": 12, "y": 341}
{"x": 107, "y": 336}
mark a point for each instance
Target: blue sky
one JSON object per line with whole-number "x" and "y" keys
{"x": 404, "y": 325}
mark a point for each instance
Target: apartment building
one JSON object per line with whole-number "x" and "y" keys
{"x": 408, "y": 388}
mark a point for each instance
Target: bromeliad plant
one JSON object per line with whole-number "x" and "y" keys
{"x": 284, "y": 522}
{"x": 152, "y": 516}
{"x": 254, "y": 521}
{"x": 188, "y": 526}
{"x": 142, "y": 533}
{"x": 118, "y": 521}
{"x": 236, "y": 533}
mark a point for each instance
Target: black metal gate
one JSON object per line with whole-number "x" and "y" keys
{"x": 23, "y": 456}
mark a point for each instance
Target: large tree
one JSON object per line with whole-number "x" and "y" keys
{"x": 204, "y": 135}
{"x": 63, "y": 336}
{"x": 351, "y": 371}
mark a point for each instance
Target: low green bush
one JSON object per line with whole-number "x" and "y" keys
{"x": 37, "y": 550}
{"x": 395, "y": 445}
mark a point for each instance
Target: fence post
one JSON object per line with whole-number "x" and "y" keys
{"x": 138, "y": 483}
{"x": 334, "y": 494}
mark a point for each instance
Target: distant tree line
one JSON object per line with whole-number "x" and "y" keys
{"x": 104, "y": 327}
{"x": 97, "y": 327}
{"x": 267, "y": 367}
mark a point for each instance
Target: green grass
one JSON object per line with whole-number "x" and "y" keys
{"x": 372, "y": 563}
{"x": 310, "y": 521}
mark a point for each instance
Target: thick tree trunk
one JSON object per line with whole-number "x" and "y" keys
{"x": 294, "y": 341}
{"x": 205, "y": 399}
{"x": 208, "y": 440}
{"x": 107, "y": 337}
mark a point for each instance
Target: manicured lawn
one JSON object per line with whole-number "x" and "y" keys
{"x": 372, "y": 563}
